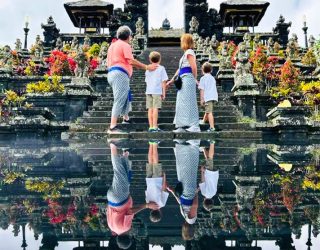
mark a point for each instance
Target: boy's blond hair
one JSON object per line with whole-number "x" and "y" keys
{"x": 155, "y": 57}
{"x": 207, "y": 67}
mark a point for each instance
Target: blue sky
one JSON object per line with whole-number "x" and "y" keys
{"x": 13, "y": 12}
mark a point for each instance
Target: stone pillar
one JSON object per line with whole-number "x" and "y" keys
{"x": 226, "y": 79}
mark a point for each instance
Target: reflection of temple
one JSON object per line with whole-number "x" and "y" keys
{"x": 246, "y": 177}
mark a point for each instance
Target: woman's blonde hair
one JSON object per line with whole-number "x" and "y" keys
{"x": 187, "y": 41}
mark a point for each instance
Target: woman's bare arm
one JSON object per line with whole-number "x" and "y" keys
{"x": 139, "y": 65}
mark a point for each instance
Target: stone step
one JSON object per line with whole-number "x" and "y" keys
{"x": 170, "y": 126}
{"x": 241, "y": 138}
{"x": 141, "y": 106}
{"x": 162, "y": 113}
{"x": 162, "y": 119}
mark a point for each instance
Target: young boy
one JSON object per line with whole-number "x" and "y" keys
{"x": 156, "y": 183}
{"x": 208, "y": 93}
{"x": 156, "y": 90}
{"x": 209, "y": 178}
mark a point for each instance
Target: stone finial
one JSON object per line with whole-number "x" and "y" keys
{"x": 18, "y": 44}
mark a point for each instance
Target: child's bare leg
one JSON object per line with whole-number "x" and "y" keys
{"x": 211, "y": 120}
{"x": 211, "y": 151}
{"x": 150, "y": 117}
{"x": 155, "y": 118}
{"x": 155, "y": 155}
{"x": 205, "y": 117}
{"x": 150, "y": 154}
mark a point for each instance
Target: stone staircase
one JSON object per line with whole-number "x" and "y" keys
{"x": 97, "y": 118}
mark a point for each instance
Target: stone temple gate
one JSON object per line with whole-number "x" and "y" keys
{"x": 209, "y": 19}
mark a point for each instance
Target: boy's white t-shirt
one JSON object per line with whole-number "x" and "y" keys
{"x": 208, "y": 85}
{"x": 154, "y": 192}
{"x": 154, "y": 80}
{"x": 209, "y": 186}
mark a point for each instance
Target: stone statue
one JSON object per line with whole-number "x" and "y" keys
{"x": 135, "y": 44}
{"x": 225, "y": 58}
{"x": 200, "y": 44}
{"x": 82, "y": 68}
{"x": 256, "y": 42}
{"x": 214, "y": 44}
{"x": 243, "y": 66}
{"x": 295, "y": 38}
{"x": 194, "y": 25}
{"x": 86, "y": 41}
{"x": 6, "y": 59}
{"x": 103, "y": 56}
{"x": 38, "y": 48}
{"x": 75, "y": 44}
{"x": 207, "y": 45}
{"x": 311, "y": 41}
{"x": 59, "y": 44}
{"x": 247, "y": 40}
{"x": 276, "y": 47}
{"x": 18, "y": 44}
{"x": 140, "y": 27}
{"x": 292, "y": 49}
{"x": 316, "y": 52}
{"x": 270, "y": 46}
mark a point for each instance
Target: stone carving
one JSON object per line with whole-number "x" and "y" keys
{"x": 225, "y": 58}
{"x": 316, "y": 51}
{"x": 292, "y": 49}
{"x": 82, "y": 68}
{"x": 256, "y": 42}
{"x": 103, "y": 56}
{"x": 59, "y": 44}
{"x": 135, "y": 44}
{"x": 86, "y": 41}
{"x": 276, "y": 47}
{"x": 295, "y": 38}
{"x": 194, "y": 25}
{"x": 214, "y": 45}
{"x": 38, "y": 48}
{"x": 18, "y": 44}
{"x": 247, "y": 40}
{"x": 166, "y": 24}
{"x": 206, "y": 46}
{"x": 51, "y": 33}
{"x": 75, "y": 44}
{"x": 270, "y": 46}
{"x": 6, "y": 58}
{"x": 311, "y": 41}
{"x": 200, "y": 44}
{"x": 243, "y": 74}
{"x": 140, "y": 27}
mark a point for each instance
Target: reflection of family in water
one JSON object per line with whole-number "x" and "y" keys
{"x": 120, "y": 209}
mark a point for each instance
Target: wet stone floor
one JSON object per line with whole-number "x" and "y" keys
{"x": 159, "y": 195}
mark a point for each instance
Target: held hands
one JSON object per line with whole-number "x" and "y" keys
{"x": 152, "y": 67}
{"x": 152, "y": 205}
{"x": 169, "y": 83}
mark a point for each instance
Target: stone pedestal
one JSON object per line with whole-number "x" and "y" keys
{"x": 292, "y": 124}
{"x": 79, "y": 86}
{"x": 246, "y": 92}
{"x": 226, "y": 78}
{"x": 142, "y": 41}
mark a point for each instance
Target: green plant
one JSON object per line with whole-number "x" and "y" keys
{"x": 49, "y": 188}
{"x": 246, "y": 119}
{"x": 12, "y": 99}
{"x": 47, "y": 86}
{"x": 309, "y": 58}
{"x": 94, "y": 50}
{"x": 289, "y": 86}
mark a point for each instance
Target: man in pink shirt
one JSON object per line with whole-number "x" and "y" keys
{"x": 120, "y": 67}
{"x": 120, "y": 210}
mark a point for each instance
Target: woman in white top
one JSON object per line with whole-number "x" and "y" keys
{"x": 187, "y": 114}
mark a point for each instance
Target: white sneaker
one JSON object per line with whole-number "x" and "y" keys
{"x": 194, "y": 129}
{"x": 201, "y": 122}
{"x": 179, "y": 130}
